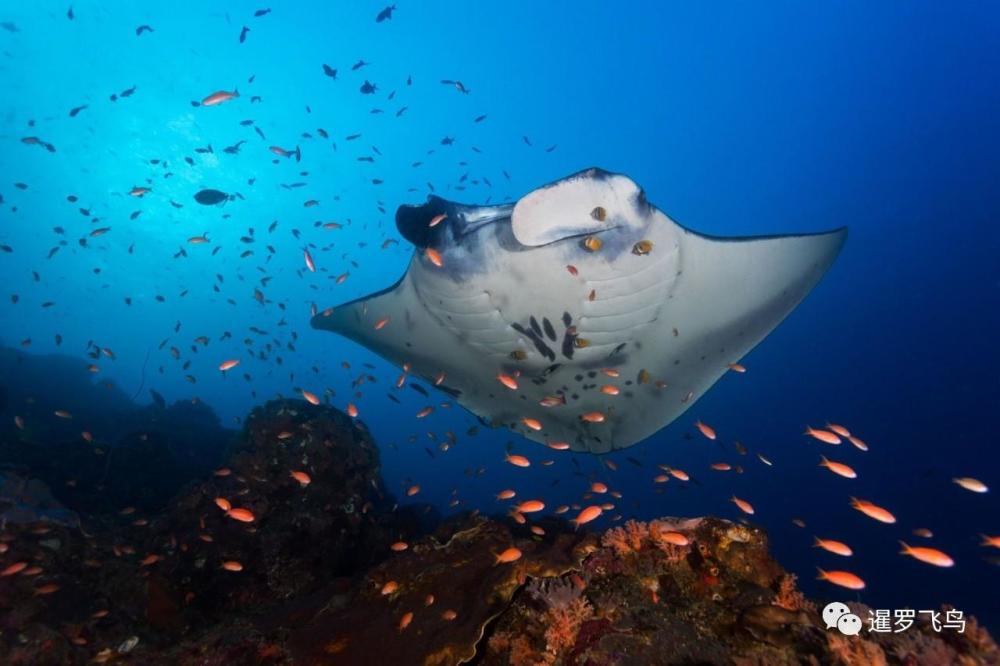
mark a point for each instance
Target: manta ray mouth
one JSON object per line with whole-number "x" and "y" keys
{"x": 413, "y": 221}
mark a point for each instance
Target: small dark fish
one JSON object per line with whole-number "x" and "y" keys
{"x": 262, "y": 12}
{"x": 10, "y": 26}
{"x": 447, "y": 141}
{"x": 207, "y": 149}
{"x": 69, "y": 13}
{"x": 211, "y": 197}
{"x": 143, "y": 28}
{"x": 526, "y": 140}
{"x": 480, "y": 119}
{"x": 459, "y": 86}
{"x": 419, "y": 389}
{"x": 385, "y": 14}
{"x": 243, "y": 34}
{"x": 330, "y": 71}
{"x": 368, "y": 88}
{"x": 75, "y": 110}
{"x": 358, "y": 65}
{"x": 128, "y": 92}
{"x": 401, "y": 111}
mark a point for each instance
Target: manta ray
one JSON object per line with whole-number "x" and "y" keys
{"x": 581, "y": 316}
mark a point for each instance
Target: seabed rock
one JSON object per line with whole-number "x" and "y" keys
{"x": 319, "y": 583}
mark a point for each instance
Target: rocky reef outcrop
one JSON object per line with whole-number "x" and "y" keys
{"x": 292, "y": 552}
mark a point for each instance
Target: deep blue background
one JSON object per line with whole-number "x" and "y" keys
{"x": 736, "y": 118}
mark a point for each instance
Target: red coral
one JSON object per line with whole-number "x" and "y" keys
{"x": 564, "y": 625}
{"x": 627, "y": 539}
{"x": 789, "y": 597}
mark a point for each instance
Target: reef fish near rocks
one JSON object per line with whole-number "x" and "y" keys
{"x": 581, "y": 275}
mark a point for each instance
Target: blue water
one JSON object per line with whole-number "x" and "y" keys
{"x": 736, "y": 119}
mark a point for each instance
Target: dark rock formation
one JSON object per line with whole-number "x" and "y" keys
{"x": 282, "y": 556}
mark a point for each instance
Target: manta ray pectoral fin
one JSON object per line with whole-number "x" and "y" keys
{"x": 732, "y": 292}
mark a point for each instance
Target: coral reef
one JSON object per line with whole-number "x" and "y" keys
{"x": 281, "y": 555}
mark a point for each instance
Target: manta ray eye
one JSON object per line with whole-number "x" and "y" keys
{"x": 599, "y": 214}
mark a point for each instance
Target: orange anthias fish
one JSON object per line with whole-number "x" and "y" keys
{"x": 971, "y": 484}
{"x": 927, "y": 555}
{"x": 706, "y": 430}
{"x": 300, "y": 476}
{"x": 842, "y": 578}
{"x": 586, "y": 515}
{"x": 873, "y": 511}
{"x": 220, "y": 96}
{"x": 434, "y": 257}
{"x": 824, "y": 436}
{"x": 517, "y": 461}
{"x": 530, "y": 506}
{"x": 674, "y": 538}
{"x": 228, "y": 365}
{"x": 744, "y": 505}
{"x": 404, "y": 621}
{"x": 510, "y": 555}
{"x": 242, "y": 515}
{"x": 840, "y": 469}
{"x": 534, "y": 424}
{"x": 507, "y": 381}
{"x": 831, "y": 546}
{"x": 310, "y": 397}
{"x": 310, "y": 264}
{"x": 15, "y": 568}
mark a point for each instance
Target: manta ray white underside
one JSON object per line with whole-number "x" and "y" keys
{"x": 524, "y": 290}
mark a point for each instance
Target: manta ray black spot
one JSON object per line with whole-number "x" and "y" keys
{"x": 567, "y": 344}
{"x": 534, "y": 326}
{"x": 549, "y": 331}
